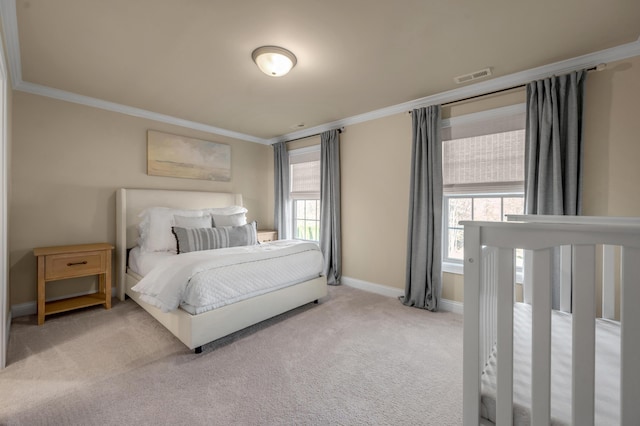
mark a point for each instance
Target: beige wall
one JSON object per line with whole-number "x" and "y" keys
{"x": 374, "y": 165}
{"x": 484, "y": 103}
{"x": 303, "y": 143}
{"x": 612, "y": 140}
{"x": 67, "y": 162}
{"x": 612, "y": 146}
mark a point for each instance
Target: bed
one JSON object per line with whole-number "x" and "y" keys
{"x": 525, "y": 363}
{"x": 196, "y": 329}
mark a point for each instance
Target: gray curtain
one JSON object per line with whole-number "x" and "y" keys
{"x": 330, "y": 232}
{"x": 554, "y": 150}
{"x": 424, "y": 243}
{"x": 282, "y": 211}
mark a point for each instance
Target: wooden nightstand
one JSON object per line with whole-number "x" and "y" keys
{"x": 266, "y": 235}
{"x": 60, "y": 262}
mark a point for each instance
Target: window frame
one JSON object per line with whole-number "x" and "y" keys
{"x": 454, "y": 265}
{"x": 294, "y": 218}
{"x": 457, "y": 265}
{"x": 303, "y": 197}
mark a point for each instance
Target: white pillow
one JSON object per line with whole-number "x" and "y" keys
{"x": 192, "y": 222}
{"x": 225, "y": 211}
{"x": 155, "y": 228}
{"x": 237, "y": 219}
{"x": 228, "y": 216}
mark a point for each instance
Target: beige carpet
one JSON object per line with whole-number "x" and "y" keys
{"x": 355, "y": 359}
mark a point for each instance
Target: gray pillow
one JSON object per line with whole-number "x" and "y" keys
{"x": 196, "y": 239}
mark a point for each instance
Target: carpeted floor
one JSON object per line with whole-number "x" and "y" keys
{"x": 357, "y": 358}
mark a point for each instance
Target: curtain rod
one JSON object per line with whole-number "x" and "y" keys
{"x": 340, "y": 130}
{"x": 599, "y": 67}
{"x": 483, "y": 95}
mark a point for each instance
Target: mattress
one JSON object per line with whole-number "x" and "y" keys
{"x": 607, "y": 374}
{"x": 204, "y": 280}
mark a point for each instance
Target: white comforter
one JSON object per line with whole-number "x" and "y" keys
{"x": 205, "y": 280}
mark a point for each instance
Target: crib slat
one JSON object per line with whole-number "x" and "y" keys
{"x": 608, "y": 282}
{"x": 565, "y": 278}
{"x": 584, "y": 334}
{"x": 505, "y": 277}
{"x": 488, "y": 300}
{"x": 471, "y": 330}
{"x": 541, "y": 339}
{"x": 528, "y": 276}
{"x": 630, "y": 336}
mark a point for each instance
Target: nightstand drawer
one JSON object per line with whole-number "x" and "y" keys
{"x": 75, "y": 264}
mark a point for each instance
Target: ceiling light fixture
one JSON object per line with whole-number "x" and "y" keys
{"x": 274, "y": 61}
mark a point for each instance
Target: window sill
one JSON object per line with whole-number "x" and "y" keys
{"x": 453, "y": 268}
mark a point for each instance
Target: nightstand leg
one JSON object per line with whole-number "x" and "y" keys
{"x": 41, "y": 290}
{"x": 105, "y": 288}
{"x": 107, "y": 282}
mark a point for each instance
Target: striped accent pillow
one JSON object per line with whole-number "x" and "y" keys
{"x": 196, "y": 239}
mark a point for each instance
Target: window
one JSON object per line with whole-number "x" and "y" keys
{"x": 306, "y": 215}
{"x": 305, "y": 192}
{"x": 489, "y": 207}
{"x": 483, "y": 174}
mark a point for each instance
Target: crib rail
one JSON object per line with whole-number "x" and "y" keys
{"x": 488, "y": 294}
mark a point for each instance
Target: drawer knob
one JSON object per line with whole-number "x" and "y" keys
{"x": 84, "y": 262}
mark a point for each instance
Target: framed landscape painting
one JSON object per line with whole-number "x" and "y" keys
{"x": 179, "y": 156}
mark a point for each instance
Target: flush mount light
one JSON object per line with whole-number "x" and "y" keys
{"x": 273, "y": 60}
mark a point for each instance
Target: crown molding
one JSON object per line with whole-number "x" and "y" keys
{"x": 500, "y": 83}
{"x": 10, "y": 26}
{"x": 50, "y": 92}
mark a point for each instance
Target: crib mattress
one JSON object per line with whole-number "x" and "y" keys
{"x": 607, "y": 375}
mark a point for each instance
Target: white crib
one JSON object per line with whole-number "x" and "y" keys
{"x": 489, "y": 279}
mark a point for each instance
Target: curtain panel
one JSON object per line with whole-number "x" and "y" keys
{"x": 282, "y": 208}
{"x": 330, "y": 231}
{"x": 553, "y": 157}
{"x": 423, "y": 284}
{"x": 554, "y": 147}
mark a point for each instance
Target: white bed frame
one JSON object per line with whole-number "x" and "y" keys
{"x": 197, "y": 330}
{"x": 489, "y": 277}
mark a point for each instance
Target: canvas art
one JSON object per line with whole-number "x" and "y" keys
{"x": 179, "y": 156}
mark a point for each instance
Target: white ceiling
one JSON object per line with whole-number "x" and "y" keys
{"x": 191, "y": 59}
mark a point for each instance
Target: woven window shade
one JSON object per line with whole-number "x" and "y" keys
{"x": 485, "y": 156}
{"x": 305, "y": 176}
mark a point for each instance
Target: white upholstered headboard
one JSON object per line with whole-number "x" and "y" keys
{"x": 131, "y": 202}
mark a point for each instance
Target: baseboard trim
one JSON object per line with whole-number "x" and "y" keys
{"x": 24, "y": 309}
{"x": 445, "y": 304}
{"x": 452, "y": 306}
{"x": 3, "y": 365}
{"x": 383, "y": 290}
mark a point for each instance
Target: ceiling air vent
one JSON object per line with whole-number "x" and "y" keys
{"x": 473, "y": 76}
